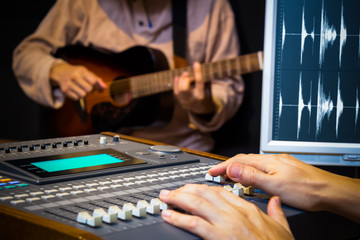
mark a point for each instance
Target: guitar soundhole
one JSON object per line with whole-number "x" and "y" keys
{"x": 139, "y": 112}
{"x": 107, "y": 117}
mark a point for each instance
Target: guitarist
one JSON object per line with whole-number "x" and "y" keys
{"x": 117, "y": 25}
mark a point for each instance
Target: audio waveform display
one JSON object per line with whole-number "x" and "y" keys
{"x": 305, "y": 34}
{"x": 317, "y": 73}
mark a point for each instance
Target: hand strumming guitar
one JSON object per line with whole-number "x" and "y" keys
{"x": 192, "y": 92}
{"x": 75, "y": 81}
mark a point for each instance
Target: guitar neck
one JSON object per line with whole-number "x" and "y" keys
{"x": 163, "y": 81}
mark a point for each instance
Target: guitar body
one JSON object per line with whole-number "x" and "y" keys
{"x": 99, "y": 111}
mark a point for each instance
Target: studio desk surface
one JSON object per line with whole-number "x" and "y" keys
{"x": 42, "y": 199}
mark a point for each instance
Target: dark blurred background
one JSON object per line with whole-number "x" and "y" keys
{"x": 21, "y": 118}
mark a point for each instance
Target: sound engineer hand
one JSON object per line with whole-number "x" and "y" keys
{"x": 298, "y": 184}
{"x": 75, "y": 81}
{"x": 193, "y": 93}
{"x": 219, "y": 214}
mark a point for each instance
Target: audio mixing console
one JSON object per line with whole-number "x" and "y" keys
{"x": 103, "y": 187}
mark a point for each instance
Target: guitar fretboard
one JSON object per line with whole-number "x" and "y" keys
{"x": 163, "y": 81}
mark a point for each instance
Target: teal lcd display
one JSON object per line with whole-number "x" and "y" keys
{"x": 76, "y": 162}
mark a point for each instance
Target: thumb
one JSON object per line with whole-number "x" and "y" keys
{"x": 101, "y": 83}
{"x": 247, "y": 175}
{"x": 275, "y": 212}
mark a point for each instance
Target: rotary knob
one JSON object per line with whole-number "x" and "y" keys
{"x": 165, "y": 149}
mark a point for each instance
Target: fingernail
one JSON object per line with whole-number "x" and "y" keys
{"x": 277, "y": 200}
{"x": 166, "y": 213}
{"x": 234, "y": 171}
{"x": 164, "y": 192}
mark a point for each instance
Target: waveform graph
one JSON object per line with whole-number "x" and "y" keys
{"x": 324, "y": 108}
{"x": 317, "y": 76}
{"x": 347, "y": 106}
{"x": 328, "y": 31}
{"x": 348, "y": 25}
{"x": 318, "y": 106}
{"x": 306, "y": 34}
{"x": 302, "y": 105}
{"x": 298, "y": 28}
{"x": 294, "y": 105}
{"x": 328, "y": 36}
{"x": 343, "y": 34}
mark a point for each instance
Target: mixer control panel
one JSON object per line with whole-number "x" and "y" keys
{"x": 106, "y": 185}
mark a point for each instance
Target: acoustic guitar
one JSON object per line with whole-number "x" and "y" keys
{"x": 141, "y": 71}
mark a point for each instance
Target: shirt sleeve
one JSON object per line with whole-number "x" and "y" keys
{"x": 221, "y": 43}
{"x": 33, "y": 57}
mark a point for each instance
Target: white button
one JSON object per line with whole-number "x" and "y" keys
{"x": 137, "y": 212}
{"x": 21, "y": 195}
{"x": 114, "y": 186}
{"x": 103, "y": 188}
{"x": 89, "y": 190}
{"x": 117, "y": 180}
{"x": 46, "y": 197}
{"x": 86, "y": 218}
{"x": 30, "y": 200}
{"x": 140, "y": 182}
{"x": 76, "y": 192}
{"x": 121, "y": 214}
{"x": 154, "y": 207}
{"x": 62, "y": 194}
{"x": 63, "y": 189}
{"x": 104, "y": 183}
{"x": 140, "y": 177}
{"x": 208, "y": 177}
{"x": 219, "y": 179}
{"x": 51, "y": 191}
{"x": 91, "y": 184}
{"x": 36, "y": 193}
{"x": 106, "y": 217}
{"x": 102, "y": 140}
{"x": 15, "y": 202}
{"x": 163, "y": 173}
{"x": 129, "y": 179}
{"x": 152, "y": 180}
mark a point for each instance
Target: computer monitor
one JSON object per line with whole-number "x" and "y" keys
{"x": 311, "y": 81}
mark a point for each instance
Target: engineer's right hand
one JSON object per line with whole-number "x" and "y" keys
{"x": 75, "y": 81}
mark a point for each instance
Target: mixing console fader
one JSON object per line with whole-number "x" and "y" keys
{"x": 104, "y": 185}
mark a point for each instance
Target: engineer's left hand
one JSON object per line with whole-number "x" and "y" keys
{"x": 215, "y": 213}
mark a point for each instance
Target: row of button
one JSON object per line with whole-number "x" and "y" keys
{"x": 43, "y": 146}
{"x": 125, "y": 213}
{"x": 8, "y": 183}
{"x": 103, "y": 185}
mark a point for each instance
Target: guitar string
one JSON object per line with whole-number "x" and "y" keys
{"x": 220, "y": 69}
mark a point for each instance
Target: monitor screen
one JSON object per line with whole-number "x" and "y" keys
{"x": 311, "y": 81}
